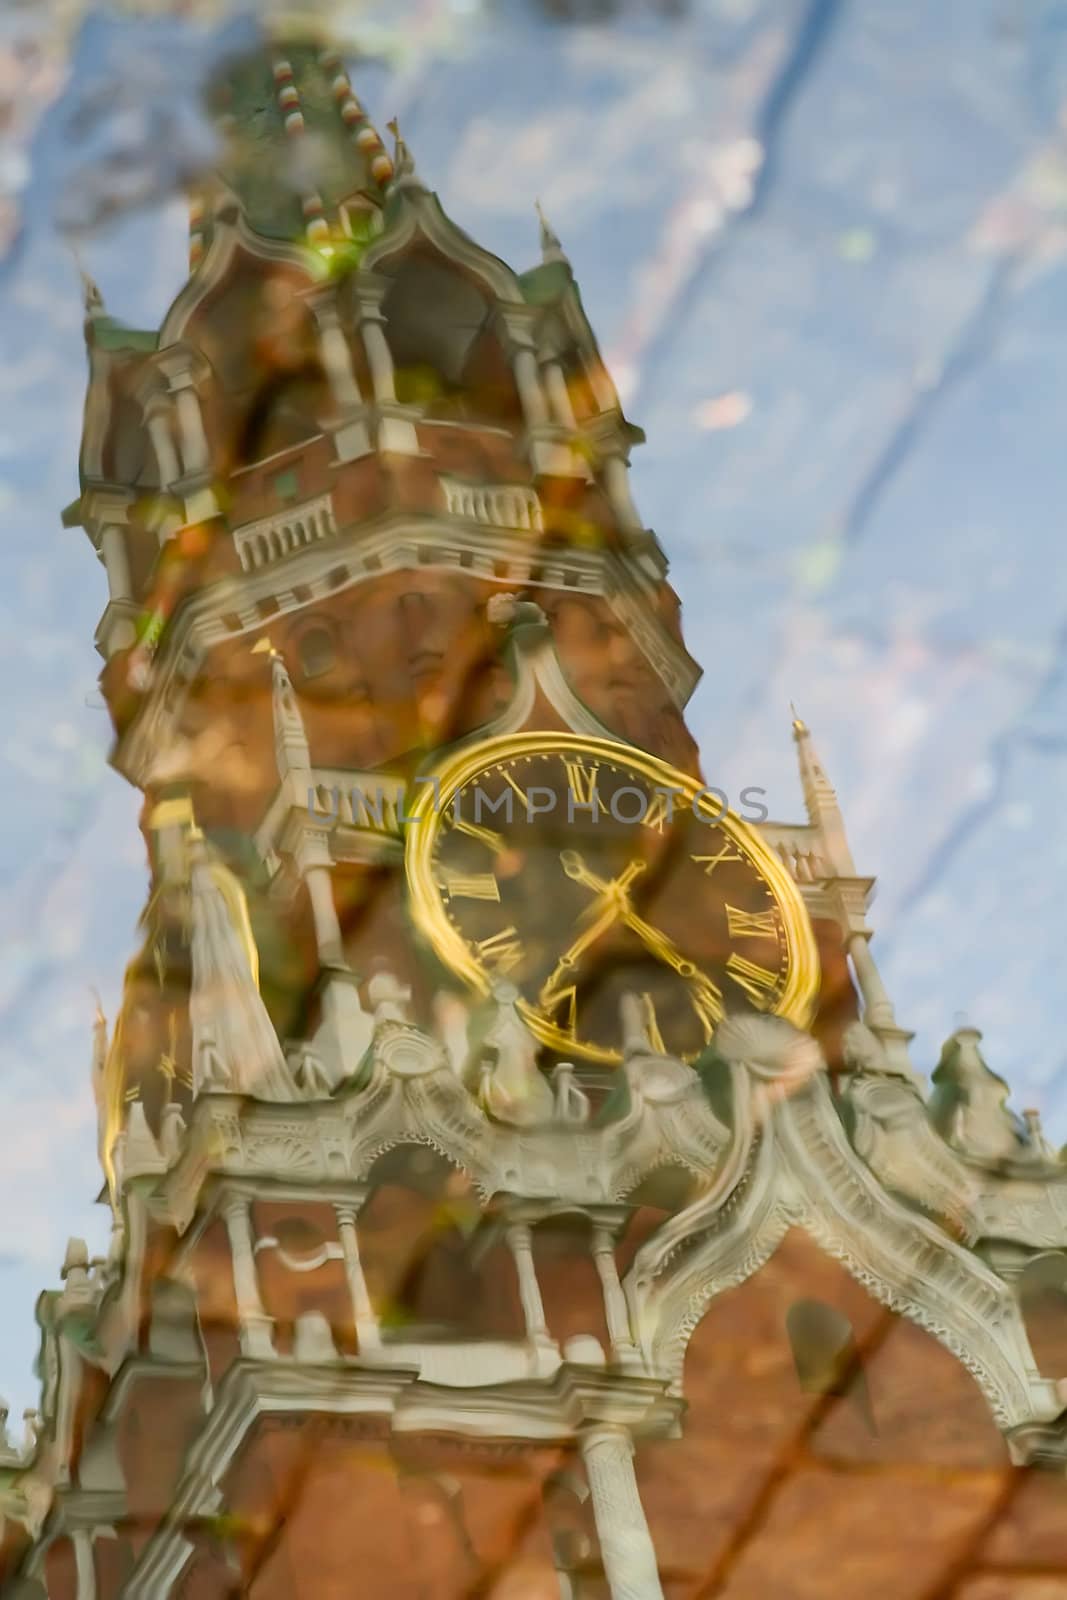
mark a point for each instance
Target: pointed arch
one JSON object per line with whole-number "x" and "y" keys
{"x": 450, "y": 353}
{"x": 421, "y": 216}
{"x": 229, "y": 236}
{"x": 806, "y": 1173}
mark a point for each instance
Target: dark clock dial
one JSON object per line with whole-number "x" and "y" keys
{"x": 582, "y": 871}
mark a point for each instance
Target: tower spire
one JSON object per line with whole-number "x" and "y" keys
{"x": 551, "y": 246}
{"x": 820, "y": 800}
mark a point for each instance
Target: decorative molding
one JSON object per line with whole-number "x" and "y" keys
{"x": 391, "y": 543}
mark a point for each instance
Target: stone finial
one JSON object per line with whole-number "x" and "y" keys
{"x": 572, "y": 1104}
{"x": 512, "y": 1088}
{"x": 404, "y": 174}
{"x": 389, "y": 998}
{"x": 969, "y": 1104}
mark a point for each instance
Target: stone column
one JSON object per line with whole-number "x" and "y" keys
{"x": 626, "y": 1547}
{"x": 616, "y": 1310}
{"x": 617, "y": 484}
{"x": 877, "y": 1006}
{"x": 878, "y": 1012}
{"x": 528, "y": 381}
{"x": 314, "y": 864}
{"x": 336, "y": 356}
{"x": 395, "y": 431}
{"x": 558, "y": 394}
{"x": 116, "y": 561}
{"x": 379, "y": 355}
{"x": 521, "y": 1246}
{"x": 350, "y": 435}
{"x": 84, "y": 1565}
{"x": 367, "y": 1331}
{"x": 158, "y": 414}
{"x": 196, "y": 456}
{"x": 255, "y": 1325}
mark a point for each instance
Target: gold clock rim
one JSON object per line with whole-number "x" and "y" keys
{"x": 426, "y": 820}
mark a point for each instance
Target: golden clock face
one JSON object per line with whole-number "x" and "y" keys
{"x": 583, "y": 870}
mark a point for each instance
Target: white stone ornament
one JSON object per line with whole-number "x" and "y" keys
{"x": 512, "y": 1087}
{"x": 771, "y": 1049}
{"x": 235, "y": 1047}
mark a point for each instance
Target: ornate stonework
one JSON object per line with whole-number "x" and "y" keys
{"x": 384, "y": 1265}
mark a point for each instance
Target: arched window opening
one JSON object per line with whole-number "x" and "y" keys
{"x": 1043, "y": 1300}
{"x": 317, "y": 651}
{"x": 435, "y": 1268}
{"x": 447, "y": 354}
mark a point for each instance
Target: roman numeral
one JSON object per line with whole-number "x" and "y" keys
{"x": 657, "y": 815}
{"x": 560, "y": 1006}
{"x": 469, "y": 885}
{"x": 502, "y": 950}
{"x": 707, "y": 1003}
{"x": 488, "y": 836}
{"x": 755, "y": 980}
{"x": 510, "y": 781}
{"x": 581, "y": 780}
{"x": 750, "y": 924}
{"x": 709, "y": 863}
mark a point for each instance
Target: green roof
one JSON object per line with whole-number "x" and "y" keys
{"x": 266, "y": 167}
{"x": 545, "y": 284}
{"x": 111, "y": 334}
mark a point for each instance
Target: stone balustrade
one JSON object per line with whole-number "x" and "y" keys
{"x": 497, "y": 505}
{"x": 272, "y": 538}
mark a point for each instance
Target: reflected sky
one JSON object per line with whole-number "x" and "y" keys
{"x": 823, "y": 246}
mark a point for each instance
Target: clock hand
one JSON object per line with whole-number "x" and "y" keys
{"x": 602, "y": 921}
{"x": 707, "y": 997}
{"x": 617, "y": 890}
{"x": 657, "y": 943}
{"x": 603, "y": 911}
{"x": 576, "y": 869}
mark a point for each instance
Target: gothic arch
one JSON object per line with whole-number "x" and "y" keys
{"x": 805, "y": 1173}
{"x": 421, "y": 217}
{"x": 230, "y": 235}
{"x": 448, "y": 349}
